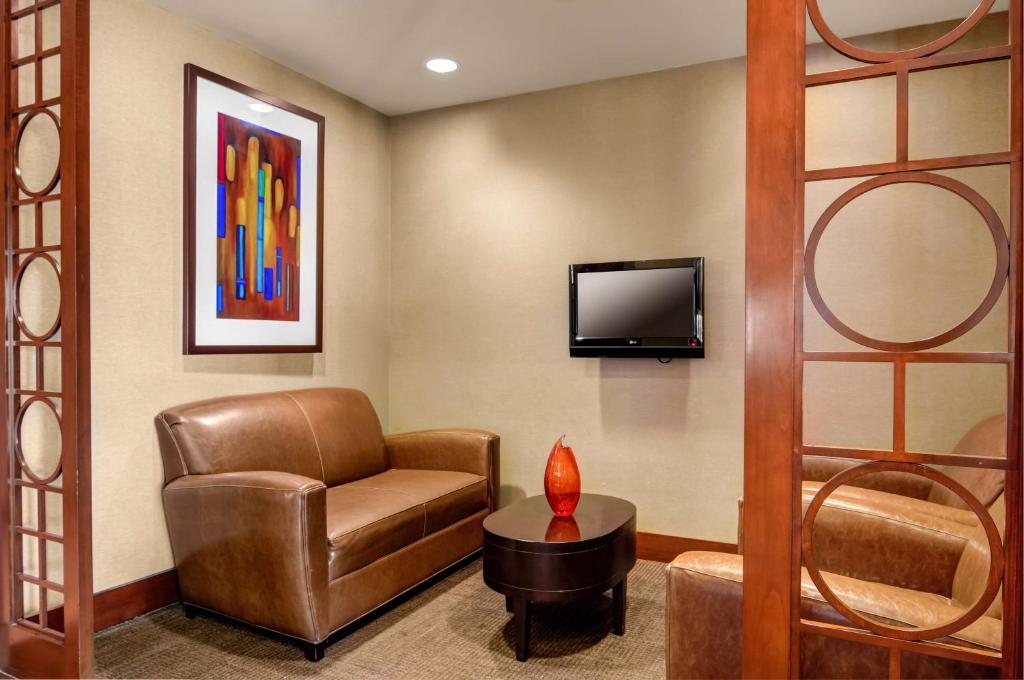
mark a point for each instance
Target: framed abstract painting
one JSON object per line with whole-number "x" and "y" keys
{"x": 253, "y": 220}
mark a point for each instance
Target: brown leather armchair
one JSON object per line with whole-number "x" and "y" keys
{"x": 855, "y": 518}
{"x": 704, "y": 606}
{"x": 893, "y": 492}
{"x": 872, "y": 499}
{"x": 894, "y": 546}
{"x": 292, "y": 512}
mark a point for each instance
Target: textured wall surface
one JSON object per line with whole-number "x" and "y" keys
{"x": 138, "y": 53}
{"x": 447, "y": 242}
{"x": 492, "y": 201}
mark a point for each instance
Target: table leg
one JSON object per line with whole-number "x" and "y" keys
{"x": 508, "y": 603}
{"x": 521, "y": 619}
{"x": 619, "y": 608}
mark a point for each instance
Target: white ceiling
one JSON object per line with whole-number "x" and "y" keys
{"x": 374, "y": 50}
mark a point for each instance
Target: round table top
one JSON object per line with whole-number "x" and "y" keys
{"x": 530, "y": 525}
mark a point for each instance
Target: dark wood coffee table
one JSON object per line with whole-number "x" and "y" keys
{"x": 532, "y": 556}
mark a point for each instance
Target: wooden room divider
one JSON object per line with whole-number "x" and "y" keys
{"x": 782, "y": 269}
{"x": 46, "y": 627}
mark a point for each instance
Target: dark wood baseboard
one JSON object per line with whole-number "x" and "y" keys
{"x": 122, "y": 603}
{"x": 127, "y": 601}
{"x": 665, "y": 548}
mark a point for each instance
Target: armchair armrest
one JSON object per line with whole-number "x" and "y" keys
{"x": 824, "y": 468}
{"x": 458, "y": 450}
{"x": 905, "y": 548}
{"x": 253, "y": 545}
{"x": 703, "y": 616}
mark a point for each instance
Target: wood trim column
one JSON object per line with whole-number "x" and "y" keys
{"x": 775, "y": 109}
{"x": 75, "y": 352}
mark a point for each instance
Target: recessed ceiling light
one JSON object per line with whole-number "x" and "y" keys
{"x": 442, "y": 65}
{"x": 260, "y": 107}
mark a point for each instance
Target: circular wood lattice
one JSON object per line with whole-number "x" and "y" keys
{"x": 18, "y": 175}
{"x": 995, "y": 566}
{"x": 18, "y": 316}
{"x": 965, "y": 192}
{"x": 873, "y": 56}
{"x": 19, "y": 451}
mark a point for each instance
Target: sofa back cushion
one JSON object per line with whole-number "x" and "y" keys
{"x": 987, "y": 438}
{"x": 330, "y": 434}
{"x": 347, "y": 432}
{"x": 237, "y": 434}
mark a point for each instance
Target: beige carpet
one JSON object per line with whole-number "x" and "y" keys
{"x": 456, "y": 629}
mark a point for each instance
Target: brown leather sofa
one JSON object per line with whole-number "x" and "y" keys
{"x": 292, "y": 512}
{"x": 704, "y": 612}
{"x": 900, "y": 550}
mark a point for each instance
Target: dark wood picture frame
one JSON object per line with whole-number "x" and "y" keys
{"x": 192, "y": 74}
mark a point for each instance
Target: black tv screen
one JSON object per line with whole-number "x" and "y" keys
{"x": 649, "y": 308}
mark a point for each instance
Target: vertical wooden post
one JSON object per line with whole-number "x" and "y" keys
{"x": 1013, "y": 600}
{"x": 1013, "y": 607}
{"x": 75, "y": 369}
{"x": 775, "y": 109}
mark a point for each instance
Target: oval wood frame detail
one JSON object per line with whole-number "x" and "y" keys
{"x": 995, "y": 565}
{"x": 22, "y": 268}
{"x": 48, "y": 187}
{"x": 872, "y": 56}
{"x": 22, "y": 463}
{"x": 984, "y": 208}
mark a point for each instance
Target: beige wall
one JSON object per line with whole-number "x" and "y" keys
{"x": 138, "y": 52}
{"x": 492, "y": 201}
{"x": 462, "y": 221}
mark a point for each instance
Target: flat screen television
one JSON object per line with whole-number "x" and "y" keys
{"x": 647, "y": 308}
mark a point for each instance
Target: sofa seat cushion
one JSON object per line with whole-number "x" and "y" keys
{"x": 375, "y": 516}
{"x": 446, "y": 496}
{"x": 364, "y": 525}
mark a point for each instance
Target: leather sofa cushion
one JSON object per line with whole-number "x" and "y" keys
{"x": 445, "y": 496}
{"x": 935, "y": 516}
{"x": 330, "y": 434}
{"x": 347, "y": 432}
{"x": 877, "y": 600}
{"x": 375, "y": 516}
{"x": 248, "y": 433}
{"x": 364, "y": 525}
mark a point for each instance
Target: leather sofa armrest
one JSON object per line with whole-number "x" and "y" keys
{"x": 824, "y": 468}
{"x": 703, "y": 616}
{"x": 458, "y": 450}
{"x": 253, "y": 545}
{"x": 908, "y": 549}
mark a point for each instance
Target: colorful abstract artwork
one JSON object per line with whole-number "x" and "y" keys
{"x": 254, "y": 224}
{"x": 258, "y": 222}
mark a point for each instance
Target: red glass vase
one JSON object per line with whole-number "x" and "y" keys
{"x": 562, "y": 480}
